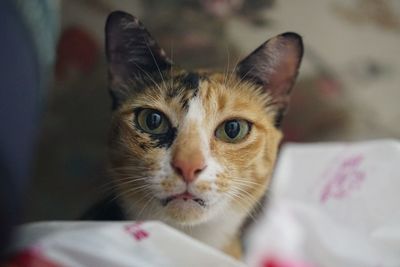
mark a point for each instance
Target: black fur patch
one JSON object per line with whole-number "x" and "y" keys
{"x": 185, "y": 104}
{"x": 191, "y": 81}
{"x": 279, "y": 118}
{"x": 164, "y": 140}
{"x": 144, "y": 146}
{"x": 173, "y": 92}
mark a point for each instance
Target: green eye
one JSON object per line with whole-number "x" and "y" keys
{"x": 152, "y": 121}
{"x": 233, "y": 131}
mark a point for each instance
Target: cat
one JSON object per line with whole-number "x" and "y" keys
{"x": 194, "y": 149}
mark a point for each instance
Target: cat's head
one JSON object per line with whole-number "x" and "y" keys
{"x": 187, "y": 145}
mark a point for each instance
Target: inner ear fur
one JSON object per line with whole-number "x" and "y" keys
{"x": 132, "y": 53}
{"x": 275, "y": 65}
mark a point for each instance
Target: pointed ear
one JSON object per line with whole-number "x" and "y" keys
{"x": 274, "y": 65}
{"x": 132, "y": 53}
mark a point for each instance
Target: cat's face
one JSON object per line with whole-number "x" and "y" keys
{"x": 186, "y": 146}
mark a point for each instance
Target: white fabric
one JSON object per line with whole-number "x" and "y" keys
{"x": 122, "y": 244}
{"x": 333, "y": 204}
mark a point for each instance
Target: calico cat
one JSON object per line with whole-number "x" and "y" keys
{"x": 194, "y": 149}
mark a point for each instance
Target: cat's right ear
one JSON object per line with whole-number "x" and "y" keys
{"x": 274, "y": 65}
{"x": 132, "y": 54}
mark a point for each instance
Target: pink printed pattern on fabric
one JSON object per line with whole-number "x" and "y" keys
{"x": 276, "y": 262}
{"x": 136, "y": 231}
{"x": 346, "y": 177}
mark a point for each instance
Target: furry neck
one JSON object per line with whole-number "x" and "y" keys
{"x": 217, "y": 232}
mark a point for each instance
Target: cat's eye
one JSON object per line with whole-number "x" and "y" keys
{"x": 152, "y": 121}
{"x": 233, "y": 131}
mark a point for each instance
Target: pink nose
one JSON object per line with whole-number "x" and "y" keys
{"x": 188, "y": 169}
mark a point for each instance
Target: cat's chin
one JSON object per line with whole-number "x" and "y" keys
{"x": 186, "y": 212}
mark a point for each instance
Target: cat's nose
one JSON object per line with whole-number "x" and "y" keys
{"x": 190, "y": 168}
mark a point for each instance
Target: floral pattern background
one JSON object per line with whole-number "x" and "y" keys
{"x": 347, "y": 90}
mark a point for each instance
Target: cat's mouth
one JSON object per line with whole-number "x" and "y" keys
{"x": 186, "y": 196}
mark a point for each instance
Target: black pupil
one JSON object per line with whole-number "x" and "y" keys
{"x": 232, "y": 129}
{"x": 153, "y": 120}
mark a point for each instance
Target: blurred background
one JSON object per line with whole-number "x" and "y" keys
{"x": 348, "y": 88}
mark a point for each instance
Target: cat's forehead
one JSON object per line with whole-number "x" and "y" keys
{"x": 219, "y": 96}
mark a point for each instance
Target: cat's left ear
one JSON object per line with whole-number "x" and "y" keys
{"x": 274, "y": 65}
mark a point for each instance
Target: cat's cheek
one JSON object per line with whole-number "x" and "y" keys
{"x": 202, "y": 188}
{"x": 212, "y": 180}
{"x": 165, "y": 180}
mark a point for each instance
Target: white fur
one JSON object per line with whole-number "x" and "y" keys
{"x": 196, "y": 114}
